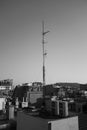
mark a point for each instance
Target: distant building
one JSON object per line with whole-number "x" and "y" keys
{"x": 6, "y": 84}
{"x": 57, "y": 107}
{"x": 33, "y": 93}
{"x": 2, "y": 103}
{"x": 50, "y": 90}
{"x": 80, "y": 107}
{"x": 53, "y": 90}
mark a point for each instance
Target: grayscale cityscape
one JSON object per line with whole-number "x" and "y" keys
{"x": 43, "y": 64}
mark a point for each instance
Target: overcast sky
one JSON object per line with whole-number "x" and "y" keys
{"x": 21, "y": 40}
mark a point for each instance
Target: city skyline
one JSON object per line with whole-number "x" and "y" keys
{"x": 21, "y": 40}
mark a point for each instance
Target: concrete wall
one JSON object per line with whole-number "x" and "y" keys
{"x": 65, "y": 124}
{"x": 27, "y": 122}
{"x": 33, "y": 96}
{"x": 2, "y": 103}
{"x": 11, "y": 112}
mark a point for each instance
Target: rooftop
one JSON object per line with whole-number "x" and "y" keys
{"x": 45, "y": 116}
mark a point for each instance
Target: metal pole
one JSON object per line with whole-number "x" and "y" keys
{"x": 44, "y": 54}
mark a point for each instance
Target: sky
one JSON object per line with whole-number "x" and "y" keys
{"x": 21, "y": 40}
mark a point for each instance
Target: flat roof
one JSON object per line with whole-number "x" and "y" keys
{"x": 46, "y": 117}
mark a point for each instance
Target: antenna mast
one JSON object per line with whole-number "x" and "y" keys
{"x": 44, "y": 53}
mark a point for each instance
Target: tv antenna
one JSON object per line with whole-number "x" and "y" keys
{"x": 44, "y": 51}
